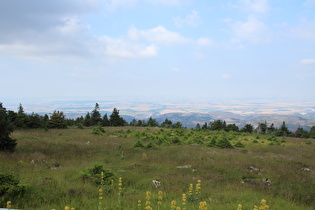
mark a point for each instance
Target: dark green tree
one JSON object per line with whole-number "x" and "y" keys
{"x": 248, "y": 128}
{"x": 301, "y": 133}
{"x": 96, "y": 115}
{"x": 87, "y": 120}
{"x": 217, "y": 125}
{"x": 312, "y": 132}
{"x": 262, "y": 128}
{"x": 140, "y": 123}
{"x": 166, "y": 124}
{"x": 177, "y": 125}
{"x": 283, "y": 130}
{"x": 57, "y": 120}
{"x": 205, "y": 126}
{"x": 6, "y": 128}
{"x": 35, "y": 121}
{"x": 152, "y": 122}
{"x": 271, "y": 129}
{"x": 115, "y": 119}
{"x": 134, "y": 122}
{"x": 105, "y": 121}
{"x": 198, "y": 126}
{"x": 21, "y": 118}
{"x": 232, "y": 127}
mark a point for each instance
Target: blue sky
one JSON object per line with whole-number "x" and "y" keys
{"x": 157, "y": 48}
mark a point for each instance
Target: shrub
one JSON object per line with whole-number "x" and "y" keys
{"x": 138, "y": 144}
{"x": 10, "y": 185}
{"x": 80, "y": 126}
{"x": 151, "y": 146}
{"x": 93, "y": 174}
{"x": 308, "y": 143}
{"x": 239, "y": 144}
{"x": 98, "y": 130}
{"x": 212, "y": 143}
{"x": 224, "y": 143}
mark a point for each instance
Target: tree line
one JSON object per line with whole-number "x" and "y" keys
{"x": 9, "y": 120}
{"x": 262, "y": 128}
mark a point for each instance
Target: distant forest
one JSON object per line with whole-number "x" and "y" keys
{"x": 57, "y": 119}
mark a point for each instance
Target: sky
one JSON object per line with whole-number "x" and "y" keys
{"x": 157, "y": 48}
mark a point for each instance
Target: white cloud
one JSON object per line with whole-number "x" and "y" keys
{"x": 157, "y": 34}
{"x": 123, "y": 49}
{"x": 252, "y": 6}
{"x": 192, "y": 19}
{"x": 252, "y": 31}
{"x": 307, "y": 61}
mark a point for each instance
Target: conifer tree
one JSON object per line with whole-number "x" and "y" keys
{"x": 115, "y": 119}
{"x": 6, "y": 128}
{"x": 57, "y": 120}
{"x": 105, "y": 121}
{"x": 87, "y": 120}
{"x": 21, "y": 118}
{"x": 96, "y": 115}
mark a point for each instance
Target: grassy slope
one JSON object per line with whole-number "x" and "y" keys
{"x": 220, "y": 170}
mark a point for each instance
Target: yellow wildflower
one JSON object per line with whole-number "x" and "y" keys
{"x": 139, "y": 202}
{"x": 8, "y": 204}
{"x": 190, "y": 189}
{"x": 173, "y": 204}
{"x": 239, "y": 207}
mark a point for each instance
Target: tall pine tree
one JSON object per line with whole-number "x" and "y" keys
{"x": 6, "y": 128}
{"x": 96, "y": 115}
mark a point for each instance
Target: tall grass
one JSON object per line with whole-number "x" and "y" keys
{"x": 51, "y": 163}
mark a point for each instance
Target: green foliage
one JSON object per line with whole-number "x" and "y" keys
{"x": 93, "y": 174}
{"x": 308, "y": 143}
{"x": 213, "y": 142}
{"x": 80, "y": 126}
{"x": 138, "y": 144}
{"x": 217, "y": 125}
{"x": 248, "y": 128}
{"x": 224, "y": 143}
{"x": 57, "y": 120}
{"x": 98, "y": 130}
{"x": 239, "y": 144}
{"x": 115, "y": 119}
{"x": 152, "y": 122}
{"x": 6, "y": 128}
{"x": 10, "y": 186}
{"x": 96, "y": 115}
{"x": 312, "y": 132}
{"x": 151, "y": 145}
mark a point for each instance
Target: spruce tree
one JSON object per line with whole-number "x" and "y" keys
{"x": 115, "y": 119}
{"x": 87, "y": 120}
{"x": 6, "y": 128}
{"x": 57, "y": 120}
{"x": 96, "y": 115}
{"x": 105, "y": 121}
{"x": 21, "y": 118}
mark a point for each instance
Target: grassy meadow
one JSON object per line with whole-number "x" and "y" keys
{"x": 50, "y": 164}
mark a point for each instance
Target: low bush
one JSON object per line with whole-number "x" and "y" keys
{"x": 93, "y": 174}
